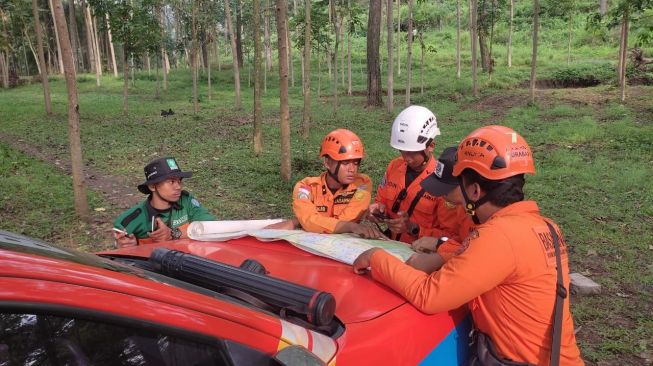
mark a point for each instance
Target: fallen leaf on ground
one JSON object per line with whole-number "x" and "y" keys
{"x": 621, "y": 294}
{"x": 100, "y": 209}
{"x": 592, "y": 252}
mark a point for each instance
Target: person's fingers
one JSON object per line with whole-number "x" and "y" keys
{"x": 126, "y": 241}
{"x": 361, "y": 271}
{"x": 362, "y": 263}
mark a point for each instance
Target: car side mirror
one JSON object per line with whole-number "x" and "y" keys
{"x": 297, "y": 356}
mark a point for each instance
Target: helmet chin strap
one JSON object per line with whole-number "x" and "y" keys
{"x": 334, "y": 175}
{"x": 471, "y": 206}
{"x": 424, "y": 154}
{"x": 426, "y": 158}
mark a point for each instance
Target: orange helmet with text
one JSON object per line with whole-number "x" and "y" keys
{"x": 494, "y": 152}
{"x": 341, "y": 145}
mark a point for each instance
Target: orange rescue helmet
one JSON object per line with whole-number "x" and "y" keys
{"x": 494, "y": 152}
{"x": 342, "y": 144}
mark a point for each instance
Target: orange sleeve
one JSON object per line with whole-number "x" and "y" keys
{"x": 306, "y": 212}
{"x": 450, "y": 249}
{"x": 482, "y": 266}
{"x": 359, "y": 202}
{"x": 382, "y": 192}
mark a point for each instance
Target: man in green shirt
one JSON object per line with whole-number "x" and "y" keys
{"x": 167, "y": 211}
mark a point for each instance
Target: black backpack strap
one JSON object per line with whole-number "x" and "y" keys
{"x": 412, "y": 206}
{"x": 561, "y": 294}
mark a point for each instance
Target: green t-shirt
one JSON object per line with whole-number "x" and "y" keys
{"x": 138, "y": 219}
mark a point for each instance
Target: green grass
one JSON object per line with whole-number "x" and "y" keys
{"x": 36, "y": 201}
{"x": 594, "y": 159}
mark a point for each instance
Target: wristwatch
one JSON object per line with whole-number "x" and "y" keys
{"x": 441, "y": 241}
{"x": 414, "y": 231}
{"x": 175, "y": 233}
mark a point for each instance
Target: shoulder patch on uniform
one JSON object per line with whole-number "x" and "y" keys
{"x": 304, "y": 192}
{"x": 359, "y": 195}
{"x": 449, "y": 205}
{"x": 195, "y": 202}
{"x": 473, "y": 234}
{"x": 129, "y": 218}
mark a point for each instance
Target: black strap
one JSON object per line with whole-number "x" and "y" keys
{"x": 412, "y": 206}
{"x": 414, "y": 202}
{"x": 561, "y": 294}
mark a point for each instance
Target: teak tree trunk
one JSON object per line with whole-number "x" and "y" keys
{"x": 284, "y": 113}
{"x": 473, "y": 38}
{"x": 623, "y": 51}
{"x": 266, "y": 37}
{"x": 458, "y": 63}
{"x": 112, "y": 50}
{"x": 258, "y": 117}
{"x": 334, "y": 56}
{"x": 512, "y": 15}
{"x": 536, "y": 27}
{"x": 234, "y": 54}
{"x": 74, "y": 37}
{"x": 88, "y": 28}
{"x": 41, "y": 59}
{"x": 164, "y": 60}
{"x": 409, "y": 58}
{"x": 373, "y": 66}
{"x": 390, "y": 94}
{"x": 56, "y": 37}
{"x": 306, "y": 119}
{"x": 398, "y": 37}
{"x": 193, "y": 55}
{"x": 77, "y": 163}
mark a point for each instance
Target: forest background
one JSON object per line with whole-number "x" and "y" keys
{"x": 573, "y": 77}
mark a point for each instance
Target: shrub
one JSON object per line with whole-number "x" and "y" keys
{"x": 582, "y": 74}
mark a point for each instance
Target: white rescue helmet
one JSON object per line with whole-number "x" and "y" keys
{"x": 413, "y": 129}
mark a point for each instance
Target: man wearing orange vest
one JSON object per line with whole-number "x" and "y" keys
{"x": 408, "y": 210}
{"x": 514, "y": 270}
{"x": 432, "y": 251}
{"x": 335, "y": 201}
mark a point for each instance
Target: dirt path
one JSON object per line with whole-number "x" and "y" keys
{"x": 498, "y": 105}
{"x": 118, "y": 191}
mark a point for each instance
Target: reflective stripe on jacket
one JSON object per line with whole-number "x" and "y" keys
{"x": 319, "y": 211}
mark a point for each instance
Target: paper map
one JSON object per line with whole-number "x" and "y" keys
{"x": 340, "y": 247}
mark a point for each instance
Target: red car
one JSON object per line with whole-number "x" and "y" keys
{"x": 241, "y": 302}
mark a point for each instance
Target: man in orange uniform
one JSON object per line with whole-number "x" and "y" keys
{"x": 507, "y": 273}
{"x": 335, "y": 201}
{"x": 408, "y": 210}
{"x": 432, "y": 251}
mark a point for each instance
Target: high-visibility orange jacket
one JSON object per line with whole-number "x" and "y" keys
{"x": 449, "y": 220}
{"x": 507, "y": 275}
{"x": 433, "y": 216}
{"x": 318, "y": 210}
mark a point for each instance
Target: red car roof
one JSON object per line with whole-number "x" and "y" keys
{"x": 358, "y": 298}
